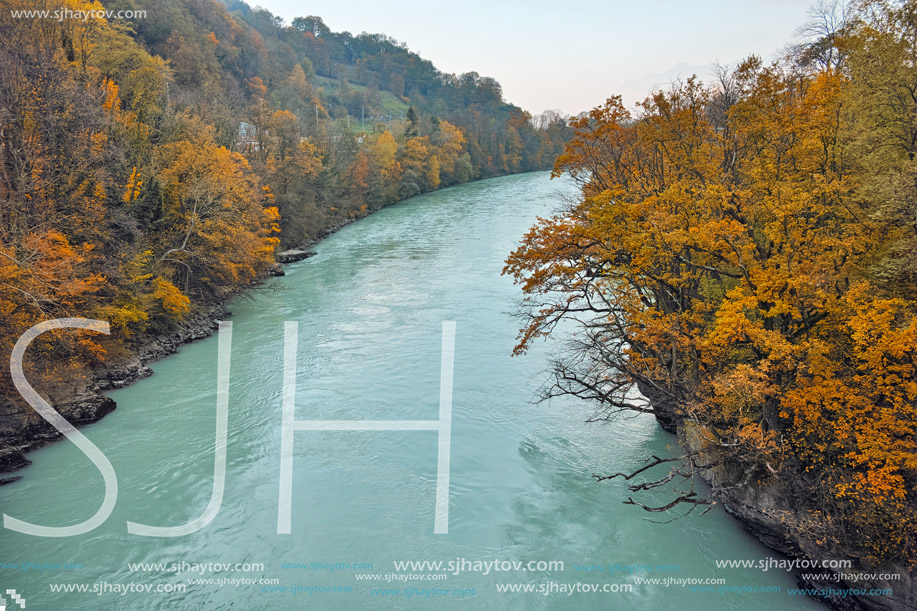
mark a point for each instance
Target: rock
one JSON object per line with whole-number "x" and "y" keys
{"x": 87, "y": 409}
{"x": 664, "y": 408}
{"x": 12, "y": 460}
{"x": 121, "y": 374}
{"x": 291, "y": 256}
{"x": 277, "y": 270}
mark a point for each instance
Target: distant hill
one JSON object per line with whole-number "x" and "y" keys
{"x": 367, "y": 79}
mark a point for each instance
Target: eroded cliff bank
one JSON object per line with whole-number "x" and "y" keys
{"x": 770, "y": 511}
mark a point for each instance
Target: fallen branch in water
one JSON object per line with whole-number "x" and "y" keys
{"x": 656, "y": 462}
{"x": 685, "y": 498}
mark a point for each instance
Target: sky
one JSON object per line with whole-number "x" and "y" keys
{"x": 570, "y": 56}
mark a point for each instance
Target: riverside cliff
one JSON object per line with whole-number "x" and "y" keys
{"x": 769, "y": 510}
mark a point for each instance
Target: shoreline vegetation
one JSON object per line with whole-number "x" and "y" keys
{"x": 746, "y": 255}
{"x": 87, "y": 404}
{"x": 151, "y": 169}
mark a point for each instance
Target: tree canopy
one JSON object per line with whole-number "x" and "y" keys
{"x": 743, "y": 253}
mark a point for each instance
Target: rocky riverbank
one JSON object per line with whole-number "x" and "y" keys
{"x": 23, "y": 430}
{"x": 766, "y": 510}
{"x": 763, "y": 511}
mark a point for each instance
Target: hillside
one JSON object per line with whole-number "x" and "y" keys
{"x": 150, "y": 167}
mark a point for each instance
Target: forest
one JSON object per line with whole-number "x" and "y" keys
{"x": 746, "y": 254}
{"x": 152, "y": 166}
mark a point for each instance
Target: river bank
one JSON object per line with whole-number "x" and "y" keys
{"x": 22, "y": 430}
{"x": 768, "y": 511}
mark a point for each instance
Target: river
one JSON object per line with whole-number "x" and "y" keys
{"x": 370, "y": 308}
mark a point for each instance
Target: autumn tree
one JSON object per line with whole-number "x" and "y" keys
{"x": 722, "y": 261}
{"x": 419, "y": 169}
{"x": 449, "y": 144}
{"x": 217, "y": 232}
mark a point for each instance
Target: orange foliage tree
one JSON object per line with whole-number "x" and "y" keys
{"x": 718, "y": 260}
{"x": 217, "y": 232}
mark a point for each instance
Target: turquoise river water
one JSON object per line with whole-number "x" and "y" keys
{"x": 370, "y": 308}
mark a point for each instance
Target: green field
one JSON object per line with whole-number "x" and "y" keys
{"x": 390, "y": 104}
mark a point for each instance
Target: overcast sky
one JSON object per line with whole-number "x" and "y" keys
{"x": 569, "y": 55}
